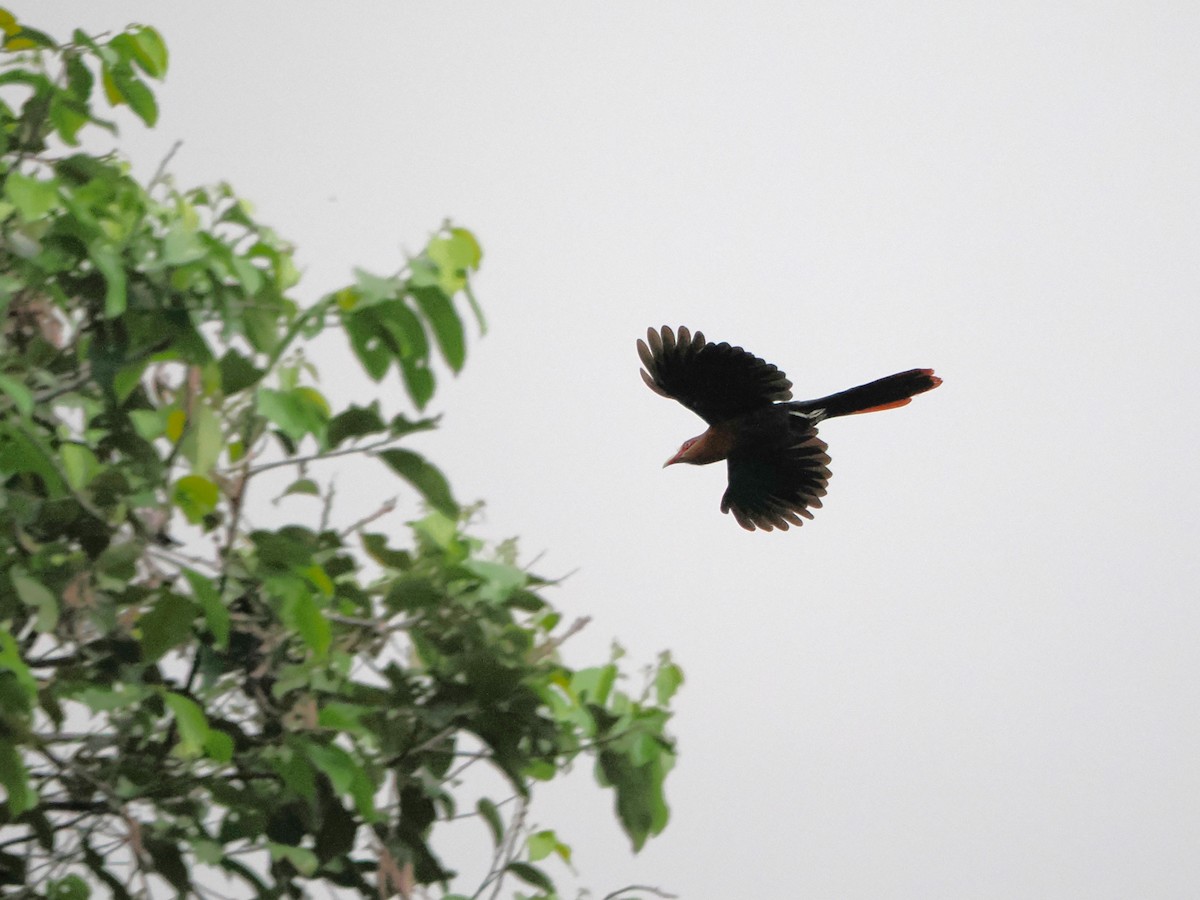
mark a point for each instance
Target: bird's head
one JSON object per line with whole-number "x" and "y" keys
{"x": 701, "y": 450}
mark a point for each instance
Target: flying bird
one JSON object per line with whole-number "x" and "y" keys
{"x": 778, "y": 467}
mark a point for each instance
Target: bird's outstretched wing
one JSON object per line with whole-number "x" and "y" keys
{"x": 773, "y": 485}
{"x": 715, "y": 381}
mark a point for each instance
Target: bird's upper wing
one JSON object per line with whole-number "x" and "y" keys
{"x": 716, "y": 381}
{"x": 772, "y": 484}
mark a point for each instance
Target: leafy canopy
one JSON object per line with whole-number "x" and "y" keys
{"x": 182, "y": 693}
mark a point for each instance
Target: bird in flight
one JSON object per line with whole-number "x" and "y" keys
{"x": 778, "y": 467}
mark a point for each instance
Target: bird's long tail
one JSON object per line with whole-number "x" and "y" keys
{"x": 885, "y": 393}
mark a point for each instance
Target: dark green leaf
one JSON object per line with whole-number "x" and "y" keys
{"x": 237, "y": 373}
{"x": 491, "y": 815}
{"x": 169, "y": 863}
{"x": 447, "y": 326}
{"x": 215, "y": 613}
{"x": 355, "y": 422}
{"x": 531, "y": 875}
{"x": 15, "y": 779}
{"x": 108, "y": 262}
{"x": 424, "y": 476}
{"x": 167, "y": 625}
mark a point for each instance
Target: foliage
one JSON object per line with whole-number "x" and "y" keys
{"x": 273, "y": 705}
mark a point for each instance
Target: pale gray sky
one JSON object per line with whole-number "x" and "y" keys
{"x": 975, "y": 674}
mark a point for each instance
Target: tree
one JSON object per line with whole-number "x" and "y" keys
{"x": 188, "y": 699}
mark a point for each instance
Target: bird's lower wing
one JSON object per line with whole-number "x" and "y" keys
{"x": 774, "y": 488}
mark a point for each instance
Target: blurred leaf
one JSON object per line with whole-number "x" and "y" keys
{"x": 447, "y": 326}
{"x": 71, "y": 887}
{"x": 32, "y": 197}
{"x": 193, "y": 726}
{"x": 36, "y": 595}
{"x": 305, "y": 861}
{"x": 424, "y": 476}
{"x": 667, "y": 680}
{"x": 302, "y": 486}
{"x": 491, "y": 815}
{"x": 542, "y": 843}
{"x": 166, "y": 625}
{"x": 355, "y": 422}
{"x": 302, "y": 613}
{"x": 202, "y": 440}
{"x": 296, "y": 412}
{"x": 216, "y": 616}
{"x": 169, "y": 863}
{"x": 151, "y": 51}
{"x": 531, "y": 875}
{"x": 79, "y": 464}
{"x": 108, "y": 262}
{"x": 20, "y": 395}
{"x": 195, "y": 496}
{"x": 237, "y": 373}
{"x": 15, "y": 779}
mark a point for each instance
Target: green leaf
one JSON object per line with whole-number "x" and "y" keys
{"x": 301, "y": 612}
{"x": 542, "y": 843}
{"x": 237, "y": 372}
{"x": 302, "y": 486}
{"x": 594, "y": 684}
{"x": 305, "y": 861}
{"x": 72, "y": 887}
{"x": 215, "y": 614}
{"x": 121, "y": 85}
{"x": 667, "y": 679}
{"x": 20, "y": 395}
{"x": 167, "y": 625}
{"x": 193, "y": 726}
{"x": 195, "y": 496}
{"x": 355, "y": 422}
{"x": 218, "y": 746}
{"x": 151, "y": 51}
{"x": 641, "y": 806}
{"x": 345, "y": 774}
{"x": 202, "y": 439}
{"x": 296, "y": 413}
{"x": 15, "y": 779}
{"x": 32, "y": 197}
{"x": 36, "y": 595}
{"x": 491, "y": 815}
{"x": 169, "y": 863}
{"x": 424, "y": 476}
{"x": 108, "y": 262}
{"x": 531, "y": 875}
{"x": 68, "y": 116}
{"x": 11, "y": 661}
{"x": 447, "y": 326}
{"x": 79, "y": 463}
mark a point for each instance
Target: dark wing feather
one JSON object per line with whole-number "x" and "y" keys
{"x": 772, "y": 484}
{"x": 715, "y": 381}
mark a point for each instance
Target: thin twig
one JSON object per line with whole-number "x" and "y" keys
{"x": 657, "y": 892}
{"x": 302, "y": 460}
{"x": 554, "y": 643}
{"x": 161, "y": 172}
{"x": 389, "y": 506}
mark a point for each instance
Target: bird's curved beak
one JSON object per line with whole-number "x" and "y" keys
{"x": 674, "y": 459}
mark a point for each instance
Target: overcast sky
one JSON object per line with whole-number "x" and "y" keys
{"x": 975, "y": 674}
